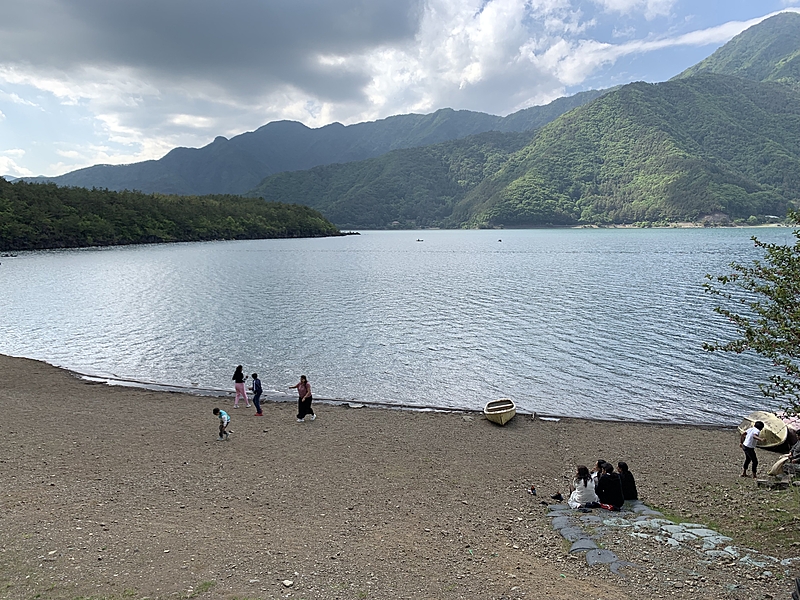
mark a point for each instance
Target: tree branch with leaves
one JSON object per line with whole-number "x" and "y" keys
{"x": 762, "y": 300}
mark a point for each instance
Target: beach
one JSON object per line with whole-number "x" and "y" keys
{"x": 115, "y": 492}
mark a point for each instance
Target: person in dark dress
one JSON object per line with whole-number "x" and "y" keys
{"x": 609, "y": 489}
{"x": 304, "y": 399}
{"x": 629, "y": 491}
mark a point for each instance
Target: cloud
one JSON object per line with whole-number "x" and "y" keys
{"x": 574, "y": 62}
{"x": 16, "y": 99}
{"x": 151, "y": 75}
{"x": 649, "y": 8}
{"x": 247, "y": 44}
{"x": 9, "y": 167}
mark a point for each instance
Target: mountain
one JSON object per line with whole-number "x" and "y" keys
{"x": 416, "y": 187}
{"x": 664, "y": 152}
{"x": 236, "y": 165}
{"x": 645, "y": 152}
{"x": 719, "y": 139}
{"x": 768, "y": 51}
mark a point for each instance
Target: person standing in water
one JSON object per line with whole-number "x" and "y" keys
{"x": 238, "y": 379}
{"x": 304, "y": 399}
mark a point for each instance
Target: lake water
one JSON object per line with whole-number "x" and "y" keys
{"x": 576, "y": 322}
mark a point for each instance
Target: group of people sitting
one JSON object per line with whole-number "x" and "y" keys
{"x": 602, "y": 487}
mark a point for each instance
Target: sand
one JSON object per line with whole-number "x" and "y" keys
{"x": 112, "y": 492}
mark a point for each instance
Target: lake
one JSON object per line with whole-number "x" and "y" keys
{"x": 597, "y": 323}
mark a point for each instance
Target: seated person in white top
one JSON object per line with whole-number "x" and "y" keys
{"x": 582, "y": 489}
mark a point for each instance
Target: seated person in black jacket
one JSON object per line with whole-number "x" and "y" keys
{"x": 628, "y": 482}
{"x": 609, "y": 488}
{"x": 794, "y": 454}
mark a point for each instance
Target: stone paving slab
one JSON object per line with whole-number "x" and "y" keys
{"x": 638, "y": 520}
{"x": 573, "y": 534}
{"x": 562, "y": 522}
{"x": 598, "y": 557}
{"x": 583, "y": 545}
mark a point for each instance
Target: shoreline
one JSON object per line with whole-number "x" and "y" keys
{"x": 275, "y": 396}
{"x": 13, "y": 252}
{"x": 125, "y": 492}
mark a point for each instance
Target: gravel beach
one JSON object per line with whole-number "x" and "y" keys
{"x": 113, "y": 492}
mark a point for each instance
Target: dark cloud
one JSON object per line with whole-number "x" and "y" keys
{"x": 249, "y": 44}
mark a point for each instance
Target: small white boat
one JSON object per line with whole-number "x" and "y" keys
{"x": 500, "y": 411}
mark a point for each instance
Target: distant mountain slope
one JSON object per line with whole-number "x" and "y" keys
{"x": 664, "y": 152}
{"x": 769, "y": 51}
{"x": 415, "y": 187}
{"x": 239, "y": 164}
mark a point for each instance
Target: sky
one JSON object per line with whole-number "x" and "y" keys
{"x": 85, "y": 82}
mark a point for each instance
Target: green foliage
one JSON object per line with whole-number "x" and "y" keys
{"x": 237, "y": 165}
{"x": 36, "y": 216}
{"x": 762, "y": 300}
{"x": 684, "y": 150}
{"x": 405, "y": 188}
{"x": 667, "y": 152}
{"x": 769, "y": 51}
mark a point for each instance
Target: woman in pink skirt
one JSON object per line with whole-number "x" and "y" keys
{"x": 238, "y": 378}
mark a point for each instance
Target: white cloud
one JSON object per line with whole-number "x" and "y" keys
{"x": 147, "y": 78}
{"x": 573, "y": 62}
{"x": 16, "y": 99}
{"x": 473, "y": 54}
{"x": 9, "y": 167}
{"x": 649, "y": 8}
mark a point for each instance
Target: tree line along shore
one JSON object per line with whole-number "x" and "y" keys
{"x": 35, "y": 216}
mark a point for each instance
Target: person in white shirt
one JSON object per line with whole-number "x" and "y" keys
{"x": 582, "y": 489}
{"x": 748, "y": 442}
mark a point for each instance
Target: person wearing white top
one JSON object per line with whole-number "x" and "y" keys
{"x": 582, "y": 489}
{"x": 748, "y": 442}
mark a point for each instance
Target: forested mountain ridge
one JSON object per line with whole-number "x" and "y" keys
{"x": 417, "y": 187}
{"x": 672, "y": 151}
{"x": 236, "y": 165}
{"x": 37, "y": 216}
{"x": 644, "y": 152}
{"x": 768, "y": 51}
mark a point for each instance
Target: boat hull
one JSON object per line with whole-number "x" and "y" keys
{"x": 774, "y": 432}
{"x": 500, "y": 411}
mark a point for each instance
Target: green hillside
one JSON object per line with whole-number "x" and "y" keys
{"x": 769, "y": 51}
{"x": 36, "y": 216}
{"x": 406, "y": 188}
{"x": 233, "y": 166}
{"x": 665, "y": 152}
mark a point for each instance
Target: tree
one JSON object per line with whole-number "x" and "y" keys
{"x": 762, "y": 300}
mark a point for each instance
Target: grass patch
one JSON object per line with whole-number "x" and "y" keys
{"x": 202, "y": 588}
{"x": 763, "y": 519}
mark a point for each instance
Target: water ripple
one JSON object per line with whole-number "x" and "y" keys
{"x": 593, "y": 323}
